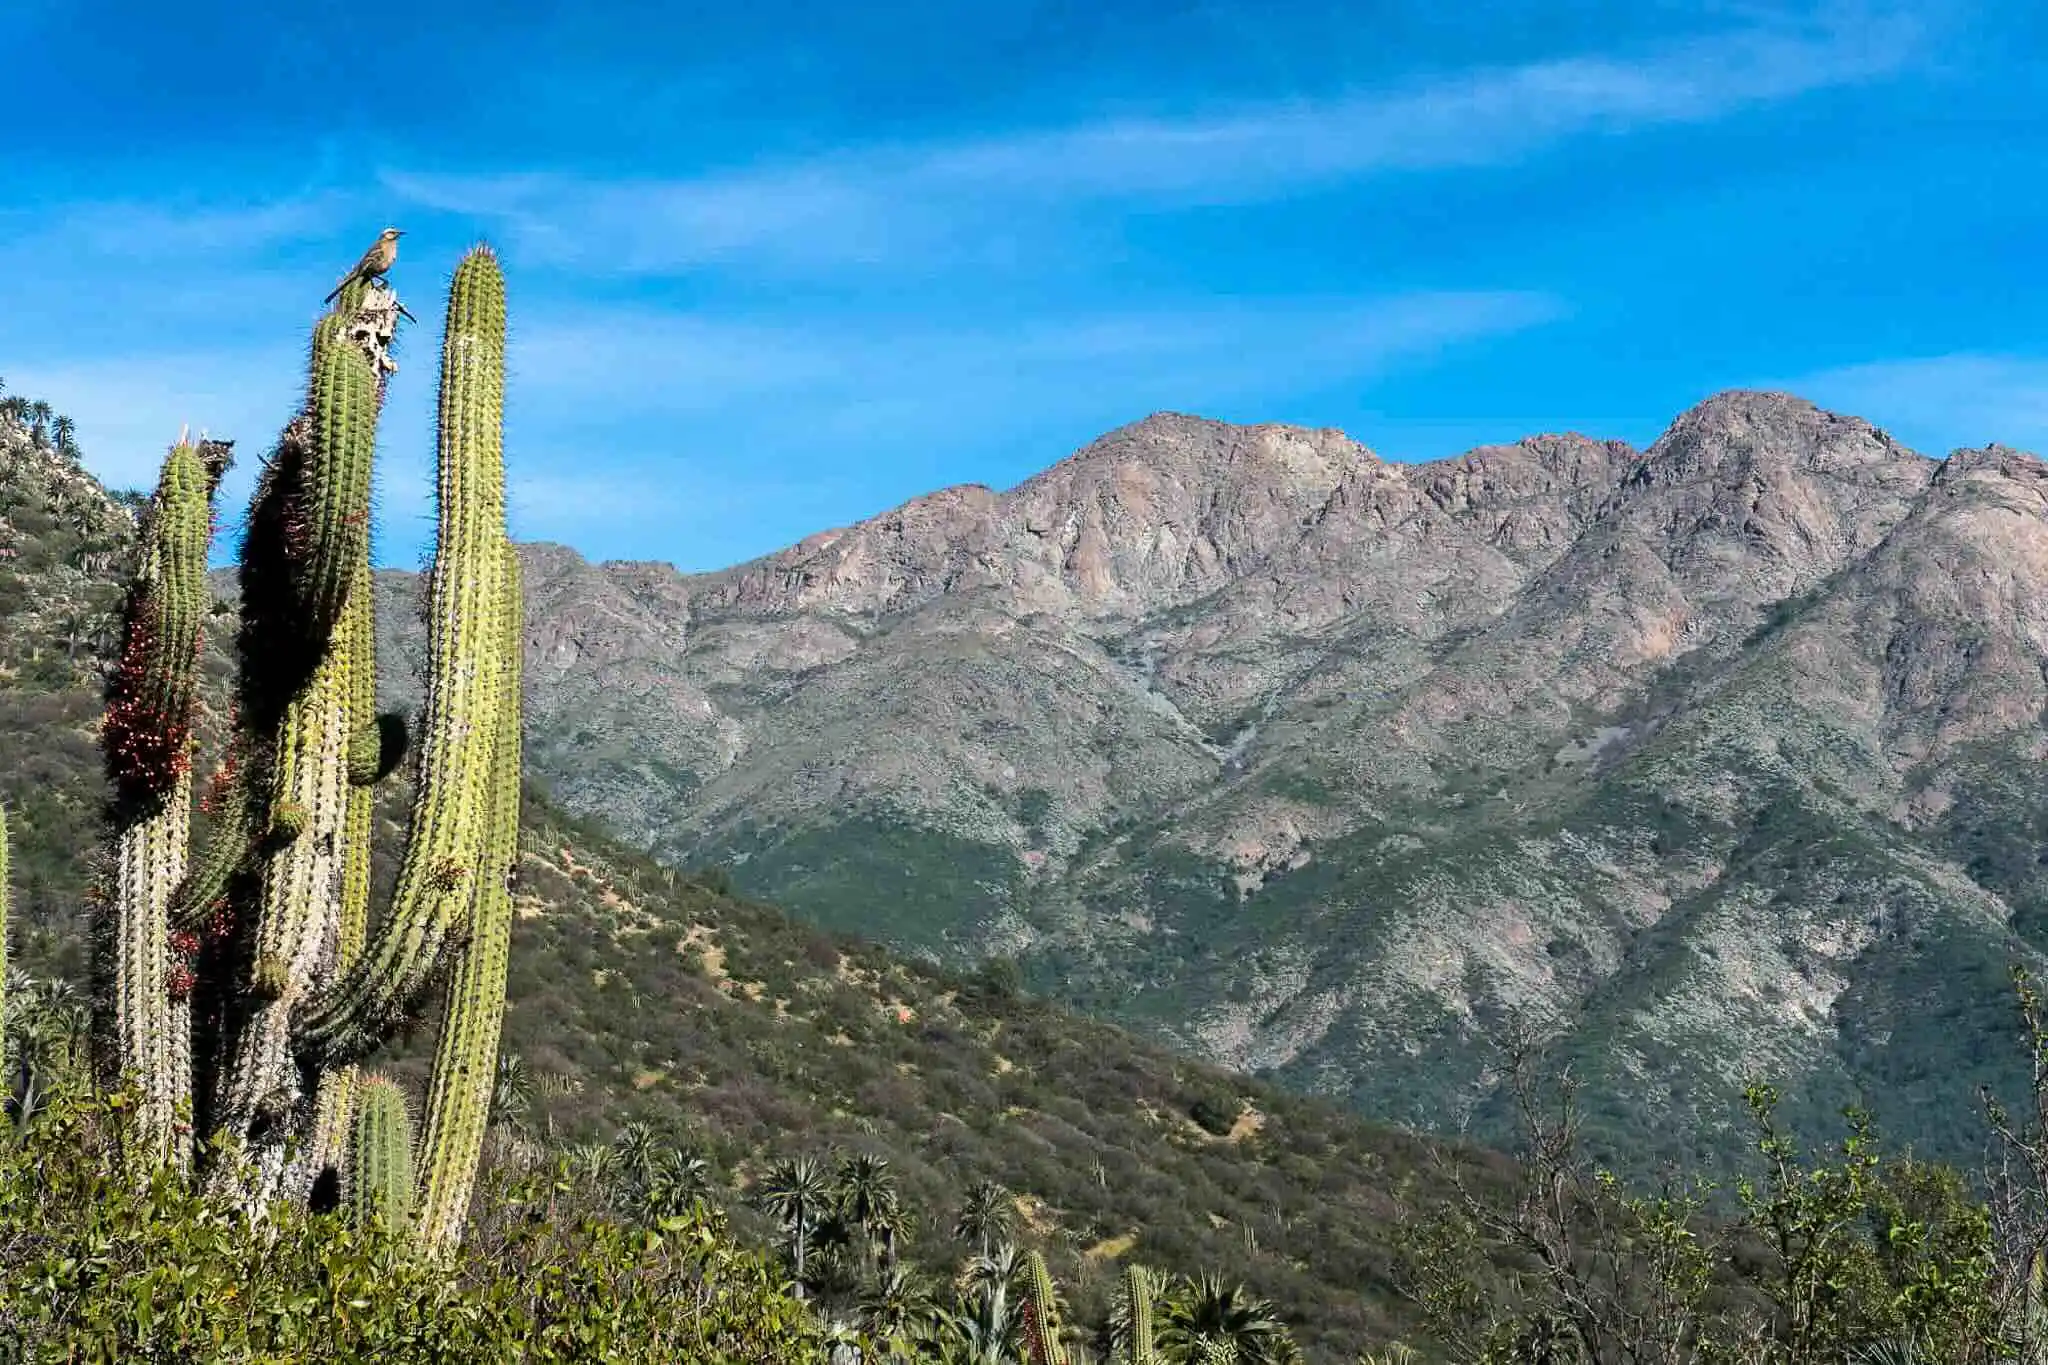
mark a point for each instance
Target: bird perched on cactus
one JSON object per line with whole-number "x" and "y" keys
{"x": 381, "y": 256}
{"x": 241, "y": 985}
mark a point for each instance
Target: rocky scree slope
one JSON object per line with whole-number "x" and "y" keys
{"x": 1717, "y": 759}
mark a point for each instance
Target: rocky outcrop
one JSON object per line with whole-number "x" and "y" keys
{"x": 1718, "y": 749}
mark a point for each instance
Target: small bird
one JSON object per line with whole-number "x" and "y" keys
{"x": 378, "y": 259}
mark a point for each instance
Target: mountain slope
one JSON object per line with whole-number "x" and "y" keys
{"x": 636, "y": 994}
{"x": 1719, "y": 755}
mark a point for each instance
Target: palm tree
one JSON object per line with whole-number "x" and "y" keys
{"x": 1004, "y": 1265}
{"x": 48, "y": 1021}
{"x": 680, "y": 1180}
{"x": 869, "y": 1199}
{"x": 838, "y": 1250}
{"x": 986, "y": 1215}
{"x": 63, "y": 430}
{"x": 1398, "y": 1353}
{"x": 987, "y": 1329}
{"x": 841, "y": 1342}
{"x": 1207, "y": 1315}
{"x": 39, "y": 415}
{"x": 897, "y": 1306}
{"x": 797, "y": 1191}
{"x": 637, "y": 1148}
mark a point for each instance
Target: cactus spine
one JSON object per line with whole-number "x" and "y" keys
{"x": 380, "y": 1171}
{"x": 266, "y": 930}
{"x": 1042, "y": 1315}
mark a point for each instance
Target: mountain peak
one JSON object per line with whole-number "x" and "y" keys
{"x": 1749, "y": 431}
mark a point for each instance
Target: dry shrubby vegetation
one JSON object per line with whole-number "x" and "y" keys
{"x": 719, "y": 1135}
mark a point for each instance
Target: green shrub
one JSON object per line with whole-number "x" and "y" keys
{"x": 95, "y": 1267}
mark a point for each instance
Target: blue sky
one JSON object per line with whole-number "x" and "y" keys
{"x": 781, "y": 265}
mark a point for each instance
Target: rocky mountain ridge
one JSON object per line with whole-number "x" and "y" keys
{"x": 1719, "y": 756}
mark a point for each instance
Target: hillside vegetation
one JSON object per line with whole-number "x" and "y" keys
{"x": 1719, "y": 755}
{"x": 718, "y": 1135}
{"x": 638, "y": 996}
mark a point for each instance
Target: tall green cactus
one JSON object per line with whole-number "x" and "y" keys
{"x": 368, "y": 763}
{"x": 1138, "y": 1314}
{"x": 466, "y": 1062}
{"x": 466, "y": 641}
{"x": 1042, "y": 1315}
{"x": 147, "y": 740}
{"x": 266, "y": 930}
{"x": 380, "y": 1165}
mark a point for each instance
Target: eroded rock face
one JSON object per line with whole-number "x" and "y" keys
{"x": 1321, "y": 763}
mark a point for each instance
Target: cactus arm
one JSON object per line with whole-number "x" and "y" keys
{"x": 334, "y": 1100}
{"x": 466, "y": 1058}
{"x": 1138, "y": 1304}
{"x": 332, "y": 511}
{"x": 445, "y": 835}
{"x": 147, "y": 735}
{"x": 297, "y": 906}
{"x": 144, "y": 1033}
{"x": 1042, "y": 1315}
{"x": 380, "y": 1167}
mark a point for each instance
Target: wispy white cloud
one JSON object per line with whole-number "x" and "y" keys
{"x": 1940, "y": 403}
{"x": 847, "y": 375}
{"x": 154, "y": 232}
{"x": 129, "y": 408}
{"x": 901, "y": 203}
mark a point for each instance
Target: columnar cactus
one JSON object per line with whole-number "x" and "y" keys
{"x": 147, "y": 740}
{"x": 369, "y": 760}
{"x": 437, "y": 881}
{"x": 1042, "y": 1315}
{"x": 1138, "y": 1312}
{"x": 266, "y": 931}
{"x": 380, "y": 1165}
{"x": 466, "y": 1062}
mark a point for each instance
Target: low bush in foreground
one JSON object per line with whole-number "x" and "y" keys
{"x": 95, "y": 1266}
